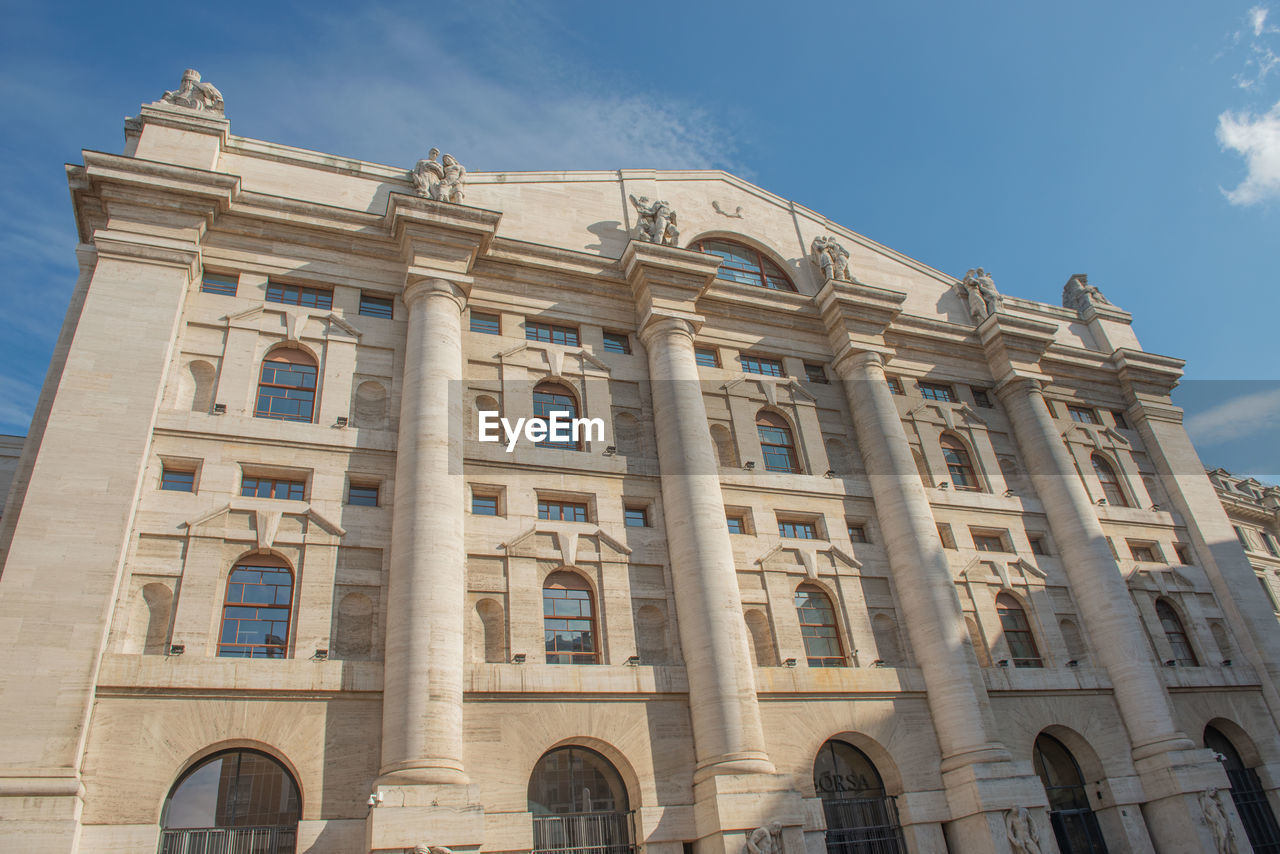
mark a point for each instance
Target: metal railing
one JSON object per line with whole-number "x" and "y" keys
{"x": 863, "y": 826}
{"x": 229, "y": 840}
{"x": 584, "y": 833}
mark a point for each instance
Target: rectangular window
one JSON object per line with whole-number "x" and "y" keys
{"x": 1270, "y": 542}
{"x": 1183, "y": 551}
{"x": 1121, "y": 421}
{"x": 562, "y": 511}
{"x": 895, "y": 385}
{"x": 484, "y": 505}
{"x": 1037, "y": 544}
{"x": 298, "y": 295}
{"x": 858, "y": 534}
{"x": 1083, "y": 415}
{"x": 706, "y": 357}
{"x": 617, "y": 342}
{"x": 989, "y": 542}
{"x": 272, "y": 487}
{"x": 737, "y": 524}
{"x": 815, "y": 373}
{"x": 549, "y": 334}
{"x": 761, "y": 365}
{"x": 177, "y": 480}
{"x": 637, "y": 517}
{"x": 1143, "y": 552}
{"x": 797, "y": 530}
{"x": 221, "y": 285}
{"x": 944, "y": 534}
{"x": 376, "y": 306}
{"x": 1271, "y": 597}
{"x": 981, "y": 398}
{"x": 937, "y": 391}
{"x": 362, "y": 495}
{"x": 487, "y": 324}
{"x": 1240, "y": 535}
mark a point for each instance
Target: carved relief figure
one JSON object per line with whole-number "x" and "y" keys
{"x": 194, "y": 95}
{"x": 427, "y": 174}
{"x": 424, "y": 848}
{"x": 441, "y": 181}
{"x": 980, "y": 294}
{"x": 831, "y": 257}
{"x": 657, "y": 222}
{"x": 766, "y": 840}
{"x": 1022, "y": 833}
{"x": 1077, "y": 293}
{"x": 1224, "y": 837}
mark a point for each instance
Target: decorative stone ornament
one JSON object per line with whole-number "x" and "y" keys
{"x": 1078, "y": 294}
{"x": 657, "y": 222}
{"x": 831, "y": 258}
{"x": 978, "y": 290}
{"x": 1224, "y": 836}
{"x": 1022, "y": 833}
{"x": 439, "y": 180}
{"x": 766, "y": 840}
{"x": 194, "y": 95}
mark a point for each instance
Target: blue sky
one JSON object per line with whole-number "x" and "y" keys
{"x": 1136, "y": 142}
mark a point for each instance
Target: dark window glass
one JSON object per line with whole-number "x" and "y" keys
{"x": 958, "y": 465}
{"x": 857, "y": 534}
{"x": 550, "y": 334}
{"x": 287, "y": 387}
{"x": 1037, "y": 546}
{"x": 221, "y": 285}
{"x": 1083, "y": 415}
{"x": 617, "y": 342}
{"x": 1121, "y": 421}
{"x": 255, "y": 618}
{"x": 818, "y": 628}
{"x": 776, "y": 443}
{"x": 1146, "y": 554}
{"x": 485, "y": 505}
{"x": 761, "y": 365}
{"x": 1017, "y": 632}
{"x": 637, "y": 517}
{"x": 1110, "y": 483}
{"x": 981, "y": 398}
{"x": 1176, "y": 634}
{"x": 1270, "y": 542}
{"x": 241, "y": 797}
{"x": 1074, "y": 824}
{"x": 936, "y": 391}
{"x": 297, "y": 295}
{"x": 895, "y": 385}
{"x": 706, "y": 357}
{"x": 562, "y": 511}
{"x": 576, "y": 788}
{"x": 362, "y": 496}
{"x": 376, "y": 306}
{"x": 488, "y": 324}
{"x": 798, "y": 530}
{"x": 568, "y": 621}
{"x": 745, "y": 266}
{"x": 177, "y": 481}
{"x": 736, "y": 525}
{"x": 549, "y": 398}
{"x": 989, "y": 543}
{"x": 270, "y": 487}
{"x": 815, "y": 373}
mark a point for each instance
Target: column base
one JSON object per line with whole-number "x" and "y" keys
{"x": 982, "y": 794}
{"x": 728, "y": 807}
{"x": 445, "y": 815}
{"x": 40, "y": 814}
{"x": 1173, "y": 782}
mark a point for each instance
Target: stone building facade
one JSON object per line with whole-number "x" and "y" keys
{"x": 867, "y": 558}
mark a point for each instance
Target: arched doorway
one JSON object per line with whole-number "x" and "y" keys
{"x": 579, "y": 804}
{"x": 1074, "y": 824}
{"x": 861, "y": 817}
{"x": 1247, "y": 792}
{"x": 233, "y": 801}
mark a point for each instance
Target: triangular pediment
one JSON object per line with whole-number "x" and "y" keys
{"x": 561, "y": 541}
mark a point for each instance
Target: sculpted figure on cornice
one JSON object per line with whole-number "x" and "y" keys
{"x": 1022, "y": 833}
{"x": 1078, "y": 294}
{"x": 439, "y": 180}
{"x": 194, "y": 95}
{"x": 657, "y": 222}
{"x": 766, "y": 840}
{"x": 831, "y": 258}
{"x": 979, "y": 292}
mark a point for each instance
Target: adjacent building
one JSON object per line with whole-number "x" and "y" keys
{"x": 863, "y": 558}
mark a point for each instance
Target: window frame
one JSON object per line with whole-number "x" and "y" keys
{"x": 478, "y": 322}
{"x": 629, "y": 512}
{"x": 542, "y": 409}
{"x": 939, "y": 392}
{"x": 298, "y": 362}
{"x": 701, "y": 354}
{"x": 816, "y": 373}
{"x": 737, "y": 520}
{"x": 218, "y": 279}
{"x": 377, "y": 304}
{"x": 545, "y": 505}
{"x": 554, "y": 581}
{"x": 617, "y": 342}
{"x": 564, "y": 336}
{"x": 962, "y": 466}
{"x": 304, "y": 295}
{"x": 771, "y": 451}
{"x": 364, "y": 487}
{"x": 753, "y": 364}
{"x": 983, "y": 538}
{"x": 762, "y": 275}
{"x": 895, "y": 386}
{"x": 1022, "y": 631}
{"x": 250, "y": 563}
{"x": 798, "y": 528}
{"x": 982, "y": 398}
{"x": 1083, "y": 414}
{"x": 276, "y": 481}
{"x": 181, "y": 469}
{"x": 1107, "y": 476}
{"x": 478, "y": 497}
{"x": 1176, "y": 635}
{"x": 857, "y": 532}
{"x": 810, "y": 590}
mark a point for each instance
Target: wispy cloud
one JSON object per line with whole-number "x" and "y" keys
{"x": 1260, "y": 59}
{"x": 1249, "y": 415}
{"x": 1256, "y": 138}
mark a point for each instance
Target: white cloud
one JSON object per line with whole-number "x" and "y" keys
{"x": 1258, "y": 19}
{"x": 1256, "y": 138}
{"x": 1247, "y": 415}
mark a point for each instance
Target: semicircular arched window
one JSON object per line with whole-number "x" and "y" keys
{"x": 286, "y": 386}
{"x": 861, "y": 817}
{"x": 579, "y": 804}
{"x": 568, "y": 620}
{"x": 1074, "y": 824}
{"x": 1176, "y": 635}
{"x": 255, "y": 613}
{"x": 552, "y": 397}
{"x": 1247, "y": 791}
{"x": 959, "y": 466}
{"x": 237, "y": 800}
{"x": 776, "y": 443}
{"x": 818, "y": 627}
{"x": 745, "y": 265}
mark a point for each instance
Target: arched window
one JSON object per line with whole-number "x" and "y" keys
{"x": 549, "y": 397}
{"x": 776, "y": 444}
{"x": 1247, "y": 792}
{"x": 237, "y": 800}
{"x": 1017, "y": 632}
{"x": 1110, "y": 483}
{"x": 818, "y": 627}
{"x": 958, "y": 465}
{"x": 745, "y": 265}
{"x": 287, "y": 387}
{"x": 255, "y": 613}
{"x": 1176, "y": 634}
{"x": 579, "y": 804}
{"x": 861, "y": 817}
{"x": 1074, "y": 824}
{"x": 568, "y": 620}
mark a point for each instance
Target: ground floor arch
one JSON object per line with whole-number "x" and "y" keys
{"x": 861, "y": 816}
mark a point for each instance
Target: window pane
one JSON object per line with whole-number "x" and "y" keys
{"x": 220, "y": 285}
{"x": 296, "y": 295}
{"x": 363, "y": 496}
{"x": 178, "y": 481}
{"x": 488, "y": 324}
{"x": 857, "y": 534}
{"x": 547, "y": 333}
{"x": 484, "y": 505}
{"x": 735, "y": 524}
{"x": 815, "y": 373}
{"x": 933, "y": 391}
{"x": 761, "y": 365}
{"x": 375, "y": 306}
{"x": 637, "y": 517}
{"x": 616, "y": 342}
{"x": 706, "y": 357}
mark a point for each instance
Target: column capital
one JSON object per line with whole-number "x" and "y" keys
{"x": 440, "y": 238}
{"x": 1015, "y": 382}
{"x": 1014, "y": 344}
{"x": 666, "y": 281}
{"x": 144, "y": 249}
{"x": 657, "y": 325}
{"x": 856, "y": 315}
{"x": 421, "y": 286}
{"x": 859, "y": 361}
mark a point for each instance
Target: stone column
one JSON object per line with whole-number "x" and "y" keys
{"x": 980, "y": 776}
